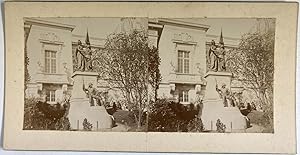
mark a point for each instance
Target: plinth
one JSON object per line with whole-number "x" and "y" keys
{"x": 213, "y": 107}
{"x": 80, "y": 108}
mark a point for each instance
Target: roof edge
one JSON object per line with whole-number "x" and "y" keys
{"x": 183, "y": 24}
{"x": 35, "y": 21}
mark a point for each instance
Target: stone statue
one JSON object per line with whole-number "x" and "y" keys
{"x": 88, "y": 58}
{"x": 222, "y": 58}
{"x": 213, "y": 57}
{"x": 217, "y": 57}
{"x": 92, "y": 93}
{"x": 80, "y": 57}
{"x": 224, "y": 94}
{"x": 84, "y": 57}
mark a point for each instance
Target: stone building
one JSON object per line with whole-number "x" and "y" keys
{"x": 183, "y": 47}
{"x": 48, "y": 47}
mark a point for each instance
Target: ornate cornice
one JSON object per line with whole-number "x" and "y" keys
{"x": 180, "y": 23}
{"x": 36, "y": 21}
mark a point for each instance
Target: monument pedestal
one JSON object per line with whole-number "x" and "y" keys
{"x": 80, "y": 108}
{"x": 213, "y": 106}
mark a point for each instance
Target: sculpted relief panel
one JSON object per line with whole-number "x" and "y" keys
{"x": 50, "y": 36}
{"x": 185, "y": 37}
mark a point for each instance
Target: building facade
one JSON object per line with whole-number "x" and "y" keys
{"x": 183, "y": 59}
{"x": 48, "y": 46}
{"x": 183, "y": 49}
{"x": 182, "y": 45}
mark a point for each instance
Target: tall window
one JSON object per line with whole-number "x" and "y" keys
{"x": 183, "y": 61}
{"x": 184, "y": 96}
{"x": 50, "y": 61}
{"x": 50, "y": 95}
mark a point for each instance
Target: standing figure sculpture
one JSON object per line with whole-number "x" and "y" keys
{"x": 224, "y": 94}
{"x": 94, "y": 95}
{"x": 80, "y": 57}
{"x": 90, "y": 92}
{"x": 217, "y": 57}
{"x": 222, "y": 58}
{"x": 88, "y": 57}
{"x": 213, "y": 57}
{"x": 84, "y": 57}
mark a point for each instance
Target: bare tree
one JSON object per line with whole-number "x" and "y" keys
{"x": 252, "y": 63}
{"x": 125, "y": 64}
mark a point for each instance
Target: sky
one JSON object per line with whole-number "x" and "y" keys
{"x": 230, "y": 27}
{"x": 97, "y": 27}
{"x": 101, "y": 27}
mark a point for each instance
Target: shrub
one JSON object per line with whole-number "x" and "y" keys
{"x": 42, "y": 116}
{"x": 87, "y": 126}
{"x": 196, "y": 125}
{"x": 162, "y": 117}
{"x": 220, "y": 126}
{"x": 268, "y": 115}
{"x": 168, "y": 116}
{"x": 133, "y": 115}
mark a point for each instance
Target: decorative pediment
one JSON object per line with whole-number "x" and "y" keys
{"x": 183, "y": 37}
{"x": 50, "y": 36}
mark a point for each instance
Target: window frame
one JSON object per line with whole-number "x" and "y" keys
{"x": 182, "y": 60}
{"x": 52, "y": 65}
{"x": 47, "y": 45}
{"x": 184, "y": 95}
{"x": 50, "y": 96}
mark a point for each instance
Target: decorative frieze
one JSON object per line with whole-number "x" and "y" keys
{"x": 185, "y": 37}
{"x": 50, "y": 36}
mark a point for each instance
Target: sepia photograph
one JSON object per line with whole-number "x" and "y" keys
{"x": 189, "y": 77}
{"x": 149, "y": 75}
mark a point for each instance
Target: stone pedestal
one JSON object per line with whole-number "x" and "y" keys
{"x": 80, "y": 107}
{"x": 213, "y": 78}
{"x": 96, "y": 115}
{"x": 80, "y": 78}
{"x": 213, "y": 107}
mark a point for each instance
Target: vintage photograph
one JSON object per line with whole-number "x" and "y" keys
{"x": 189, "y": 77}
{"x": 210, "y": 75}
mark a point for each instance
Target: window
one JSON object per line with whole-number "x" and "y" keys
{"x": 183, "y": 61}
{"x": 50, "y": 95}
{"x": 184, "y": 96}
{"x": 50, "y": 61}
